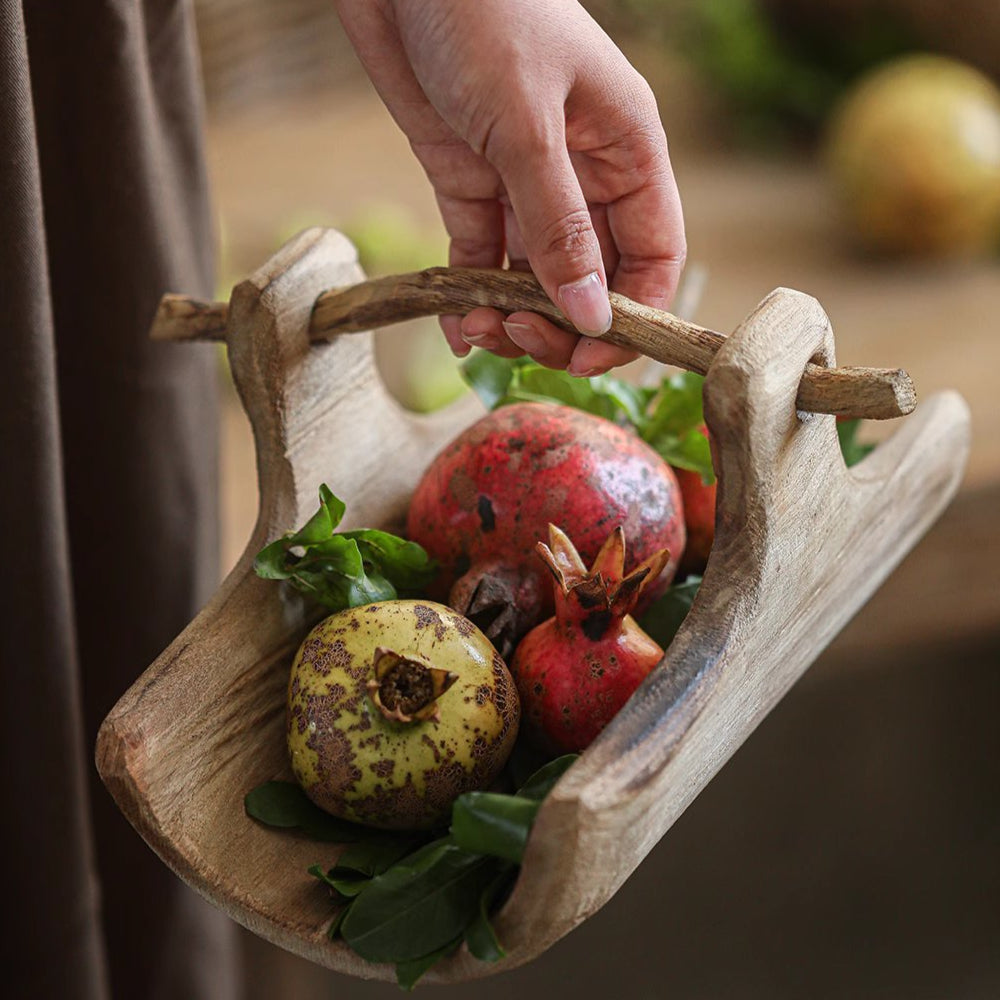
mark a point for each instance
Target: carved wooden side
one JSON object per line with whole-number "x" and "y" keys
{"x": 205, "y": 723}
{"x": 801, "y": 544}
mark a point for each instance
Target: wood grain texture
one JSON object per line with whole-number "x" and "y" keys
{"x": 871, "y": 393}
{"x": 801, "y": 543}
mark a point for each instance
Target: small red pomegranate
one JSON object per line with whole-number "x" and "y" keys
{"x": 699, "y": 517}
{"x": 576, "y": 670}
{"x": 488, "y": 497}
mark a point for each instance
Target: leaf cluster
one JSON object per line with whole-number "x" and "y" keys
{"x": 780, "y": 68}
{"x": 668, "y": 417}
{"x": 344, "y": 569}
{"x": 407, "y": 899}
{"x": 663, "y": 618}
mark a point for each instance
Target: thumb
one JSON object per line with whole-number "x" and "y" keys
{"x": 558, "y": 233}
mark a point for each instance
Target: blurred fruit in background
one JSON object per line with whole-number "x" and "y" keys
{"x": 914, "y": 153}
{"x": 774, "y": 69}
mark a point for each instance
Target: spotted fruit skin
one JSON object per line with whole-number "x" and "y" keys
{"x": 576, "y": 670}
{"x": 488, "y": 498}
{"x": 354, "y": 762}
{"x": 566, "y": 709}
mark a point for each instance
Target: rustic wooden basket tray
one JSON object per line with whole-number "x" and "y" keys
{"x": 801, "y": 544}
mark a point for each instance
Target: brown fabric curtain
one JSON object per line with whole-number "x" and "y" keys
{"x": 108, "y": 491}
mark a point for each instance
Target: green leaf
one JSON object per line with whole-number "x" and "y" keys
{"x": 283, "y": 804}
{"x": 490, "y": 823}
{"x": 333, "y": 931}
{"x": 270, "y": 561}
{"x": 321, "y": 524}
{"x": 674, "y": 428}
{"x": 345, "y": 569}
{"x": 604, "y": 396}
{"x": 676, "y": 407}
{"x": 631, "y": 400}
{"x": 361, "y": 862}
{"x": 488, "y": 376}
{"x": 374, "y": 856}
{"x": 534, "y": 383}
{"x": 544, "y": 779}
{"x": 407, "y": 973}
{"x": 419, "y": 905}
{"x": 688, "y": 451}
{"x": 500, "y": 381}
{"x": 405, "y": 562}
{"x": 852, "y": 449}
{"x": 499, "y": 825}
{"x": 480, "y": 937}
{"x": 342, "y": 887}
{"x": 663, "y": 618}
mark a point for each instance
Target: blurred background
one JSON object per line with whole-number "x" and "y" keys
{"x": 851, "y": 847}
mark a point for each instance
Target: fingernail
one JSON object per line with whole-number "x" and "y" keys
{"x": 526, "y": 337}
{"x": 479, "y": 339}
{"x": 585, "y": 303}
{"x": 586, "y": 373}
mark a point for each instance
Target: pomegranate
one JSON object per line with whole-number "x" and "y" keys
{"x": 699, "y": 517}
{"x": 394, "y": 710}
{"x": 488, "y": 497}
{"x": 576, "y": 670}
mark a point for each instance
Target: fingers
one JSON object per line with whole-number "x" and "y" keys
{"x": 535, "y": 336}
{"x": 554, "y": 221}
{"x": 485, "y": 328}
{"x": 646, "y": 222}
{"x": 594, "y": 357}
{"x": 475, "y": 228}
{"x": 545, "y": 343}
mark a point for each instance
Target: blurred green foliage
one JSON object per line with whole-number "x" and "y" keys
{"x": 776, "y": 68}
{"x": 780, "y": 78}
{"x": 390, "y": 240}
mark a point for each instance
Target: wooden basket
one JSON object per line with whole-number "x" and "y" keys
{"x": 801, "y": 544}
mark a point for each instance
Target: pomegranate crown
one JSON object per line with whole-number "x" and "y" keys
{"x": 605, "y": 586}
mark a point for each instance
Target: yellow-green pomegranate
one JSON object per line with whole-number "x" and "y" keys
{"x": 395, "y": 709}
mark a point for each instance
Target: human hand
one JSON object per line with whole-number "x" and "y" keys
{"x": 544, "y": 148}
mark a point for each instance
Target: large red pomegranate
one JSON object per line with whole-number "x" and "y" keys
{"x": 489, "y": 496}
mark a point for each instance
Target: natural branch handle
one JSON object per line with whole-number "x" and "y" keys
{"x": 871, "y": 393}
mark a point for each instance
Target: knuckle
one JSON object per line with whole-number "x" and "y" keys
{"x": 569, "y": 235}
{"x": 643, "y": 100}
{"x": 681, "y": 253}
{"x": 523, "y": 137}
